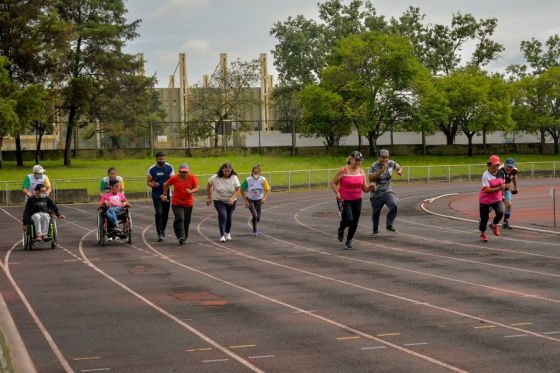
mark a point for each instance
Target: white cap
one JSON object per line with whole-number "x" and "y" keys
{"x": 38, "y": 169}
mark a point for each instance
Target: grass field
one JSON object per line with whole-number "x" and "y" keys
{"x": 87, "y": 172}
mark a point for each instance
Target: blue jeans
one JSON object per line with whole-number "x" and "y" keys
{"x": 225, "y": 213}
{"x": 112, "y": 213}
{"x": 388, "y": 199}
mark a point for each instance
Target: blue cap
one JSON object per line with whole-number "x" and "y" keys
{"x": 510, "y": 162}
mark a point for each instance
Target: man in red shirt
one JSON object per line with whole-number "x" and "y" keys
{"x": 185, "y": 185}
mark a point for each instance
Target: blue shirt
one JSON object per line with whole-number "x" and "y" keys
{"x": 161, "y": 175}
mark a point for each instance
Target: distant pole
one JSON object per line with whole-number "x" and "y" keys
{"x": 554, "y": 205}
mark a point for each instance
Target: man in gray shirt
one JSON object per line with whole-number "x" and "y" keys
{"x": 381, "y": 173}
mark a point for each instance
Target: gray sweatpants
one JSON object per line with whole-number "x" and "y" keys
{"x": 41, "y": 222}
{"x": 377, "y": 202}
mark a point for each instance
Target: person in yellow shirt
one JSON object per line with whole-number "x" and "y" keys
{"x": 35, "y": 178}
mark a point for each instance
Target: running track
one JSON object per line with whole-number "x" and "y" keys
{"x": 430, "y": 298}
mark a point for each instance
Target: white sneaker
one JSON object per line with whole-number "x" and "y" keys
{"x": 223, "y": 239}
{"x": 228, "y": 236}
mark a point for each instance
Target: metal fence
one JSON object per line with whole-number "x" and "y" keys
{"x": 86, "y": 189}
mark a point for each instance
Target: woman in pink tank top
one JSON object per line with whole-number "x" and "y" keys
{"x": 348, "y": 184}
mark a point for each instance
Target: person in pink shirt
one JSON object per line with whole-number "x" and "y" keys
{"x": 348, "y": 184}
{"x": 490, "y": 197}
{"x": 114, "y": 202}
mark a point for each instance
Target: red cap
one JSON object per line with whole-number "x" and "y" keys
{"x": 494, "y": 160}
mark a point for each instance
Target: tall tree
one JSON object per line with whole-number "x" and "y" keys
{"x": 375, "y": 74}
{"x": 95, "y": 55}
{"x": 9, "y": 120}
{"x": 31, "y": 37}
{"x": 323, "y": 115}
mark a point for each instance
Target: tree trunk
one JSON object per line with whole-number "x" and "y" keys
{"x": 372, "y": 143}
{"x": 38, "y": 150}
{"x": 470, "y": 137}
{"x": 543, "y": 139}
{"x": 423, "y": 142}
{"x": 1, "y": 143}
{"x": 19, "y": 153}
{"x": 484, "y": 139}
{"x": 69, "y": 131}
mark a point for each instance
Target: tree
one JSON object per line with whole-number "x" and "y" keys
{"x": 538, "y": 106}
{"x": 304, "y": 44}
{"x": 224, "y": 101}
{"x": 94, "y": 55}
{"x": 31, "y": 37}
{"x": 9, "y": 120}
{"x": 286, "y": 108}
{"x": 374, "y": 73}
{"x": 323, "y": 115}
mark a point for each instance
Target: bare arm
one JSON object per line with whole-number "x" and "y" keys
{"x": 336, "y": 181}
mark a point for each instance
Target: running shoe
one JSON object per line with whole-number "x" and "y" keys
{"x": 340, "y": 234}
{"x": 495, "y": 229}
{"x": 376, "y": 232}
{"x": 391, "y": 228}
{"x": 228, "y": 236}
{"x": 506, "y": 225}
{"x": 255, "y": 234}
{"x": 483, "y": 237}
{"x": 348, "y": 244}
{"x": 160, "y": 237}
{"x": 181, "y": 240}
{"x": 223, "y": 239}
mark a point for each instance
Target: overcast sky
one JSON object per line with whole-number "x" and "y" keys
{"x": 241, "y": 28}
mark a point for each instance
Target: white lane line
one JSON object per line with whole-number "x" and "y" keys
{"x": 415, "y": 344}
{"x": 95, "y": 370}
{"x": 310, "y": 311}
{"x": 413, "y": 271}
{"x": 214, "y": 361}
{"x": 549, "y": 333}
{"x": 373, "y": 347}
{"x": 52, "y": 344}
{"x": 261, "y": 357}
{"x": 204, "y": 337}
{"x": 295, "y": 308}
{"x": 515, "y": 335}
{"x": 338, "y": 281}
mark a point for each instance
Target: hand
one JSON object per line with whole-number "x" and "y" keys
{"x": 155, "y": 184}
{"x": 515, "y": 191}
{"x": 164, "y": 197}
{"x": 264, "y": 200}
{"x": 24, "y": 227}
{"x": 337, "y": 194}
{"x": 208, "y": 202}
{"x": 61, "y": 217}
{"x": 246, "y": 202}
{"x": 230, "y": 201}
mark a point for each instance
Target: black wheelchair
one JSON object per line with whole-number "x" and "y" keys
{"x": 124, "y": 227}
{"x": 29, "y": 240}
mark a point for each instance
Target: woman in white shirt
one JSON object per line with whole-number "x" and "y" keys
{"x": 223, "y": 189}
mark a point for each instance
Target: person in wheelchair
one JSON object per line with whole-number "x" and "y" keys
{"x": 38, "y": 210}
{"x": 112, "y": 204}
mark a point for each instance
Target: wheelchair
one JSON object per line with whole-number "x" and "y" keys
{"x": 29, "y": 241}
{"x": 124, "y": 224}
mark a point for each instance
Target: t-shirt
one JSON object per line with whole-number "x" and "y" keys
{"x": 383, "y": 182}
{"x": 104, "y": 186}
{"x": 508, "y": 176}
{"x": 114, "y": 200}
{"x": 491, "y": 181}
{"x": 30, "y": 183}
{"x": 223, "y": 188}
{"x": 161, "y": 175}
{"x": 180, "y": 186}
{"x": 255, "y": 188}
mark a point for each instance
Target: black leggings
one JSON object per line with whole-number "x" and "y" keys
{"x": 350, "y": 216}
{"x": 162, "y": 213}
{"x": 498, "y": 207}
{"x": 255, "y": 208}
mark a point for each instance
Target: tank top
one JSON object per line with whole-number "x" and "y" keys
{"x": 350, "y": 186}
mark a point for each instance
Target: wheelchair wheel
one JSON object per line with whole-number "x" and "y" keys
{"x": 28, "y": 237}
{"x": 128, "y": 231}
{"x": 53, "y": 233}
{"x": 100, "y": 230}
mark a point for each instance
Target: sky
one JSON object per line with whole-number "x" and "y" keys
{"x": 241, "y": 28}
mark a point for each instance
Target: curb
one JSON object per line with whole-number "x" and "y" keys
{"x": 14, "y": 356}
